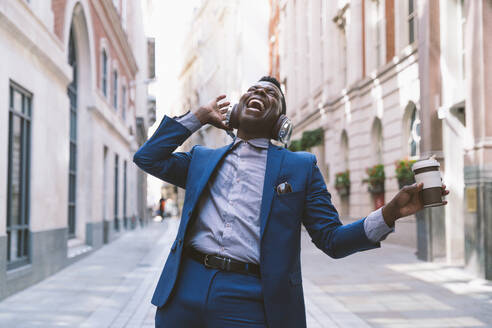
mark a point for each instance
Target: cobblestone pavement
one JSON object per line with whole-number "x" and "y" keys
{"x": 386, "y": 287}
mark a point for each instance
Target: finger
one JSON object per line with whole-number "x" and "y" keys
{"x": 223, "y": 110}
{"x": 445, "y": 202}
{"x": 414, "y": 188}
{"x": 443, "y": 186}
{"x": 445, "y": 192}
{"x": 224, "y": 104}
{"x": 219, "y": 98}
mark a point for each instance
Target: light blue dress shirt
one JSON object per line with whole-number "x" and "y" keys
{"x": 228, "y": 214}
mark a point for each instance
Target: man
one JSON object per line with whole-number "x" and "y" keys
{"x": 162, "y": 207}
{"x": 236, "y": 258}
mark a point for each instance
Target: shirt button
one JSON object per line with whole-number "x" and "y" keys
{"x": 228, "y": 225}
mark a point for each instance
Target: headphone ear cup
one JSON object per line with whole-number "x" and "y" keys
{"x": 282, "y": 130}
{"x": 278, "y": 126}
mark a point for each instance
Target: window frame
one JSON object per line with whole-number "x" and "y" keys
{"x": 115, "y": 89}
{"x": 104, "y": 72}
{"x": 125, "y": 192}
{"x": 116, "y": 193}
{"x": 412, "y": 16}
{"x": 25, "y": 116}
{"x": 123, "y": 101}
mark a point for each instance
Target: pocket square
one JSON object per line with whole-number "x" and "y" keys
{"x": 284, "y": 188}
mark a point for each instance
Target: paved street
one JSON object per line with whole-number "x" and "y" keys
{"x": 387, "y": 287}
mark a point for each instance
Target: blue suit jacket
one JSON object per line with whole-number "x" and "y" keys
{"x": 281, "y": 216}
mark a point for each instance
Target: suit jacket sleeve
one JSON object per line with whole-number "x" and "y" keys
{"x": 157, "y": 156}
{"x": 323, "y": 224}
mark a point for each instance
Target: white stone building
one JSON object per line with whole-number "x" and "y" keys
{"x": 71, "y": 84}
{"x": 226, "y": 50}
{"x": 363, "y": 94}
{"x": 389, "y": 79}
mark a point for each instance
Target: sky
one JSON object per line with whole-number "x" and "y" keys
{"x": 168, "y": 22}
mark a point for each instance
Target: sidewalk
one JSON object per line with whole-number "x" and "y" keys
{"x": 386, "y": 287}
{"x": 110, "y": 288}
{"x": 389, "y": 287}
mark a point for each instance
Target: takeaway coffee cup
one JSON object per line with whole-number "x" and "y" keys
{"x": 427, "y": 171}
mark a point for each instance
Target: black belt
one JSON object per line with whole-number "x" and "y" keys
{"x": 222, "y": 263}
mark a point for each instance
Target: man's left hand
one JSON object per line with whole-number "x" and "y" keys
{"x": 407, "y": 201}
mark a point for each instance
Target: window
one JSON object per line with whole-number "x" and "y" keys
{"x": 116, "y": 223}
{"x": 344, "y": 58}
{"x": 125, "y": 219}
{"x": 345, "y": 150}
{"x": 340, "y": 21}
{"x": 414, "y": 133}
{"x": 115, "y": 89}
{"x": 377, "y": 141}
{"x": 105, "y": 183}
{"x": 412, "y": 24}
{"x": 123, "y": 102}
{"x": 72, "y": 166}
{"x": 19, "y": 153}
{"x": 378, "y": 27}
{"x": 104, "y": 73}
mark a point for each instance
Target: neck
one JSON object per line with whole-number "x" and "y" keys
{"x": 247, "y": 136}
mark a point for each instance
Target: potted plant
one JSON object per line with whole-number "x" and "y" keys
{"x": 404, "y": 173}
{"x": 342, "y": 183}
{"x": 295, "y": 145}
{"x": 375, "y": 180}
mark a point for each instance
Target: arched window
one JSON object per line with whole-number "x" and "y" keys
{"x": 72, "y": 171}
{"x": 377, "y": 141}
{"x": 412, "y": 130}
{"x": 104, "y": 73}
{"x": 345, "y": 150}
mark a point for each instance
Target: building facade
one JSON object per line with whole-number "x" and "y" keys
{"x": 72, "y": 99}
{"x": 226, "y": 50}
{"x": 387, "y": 80}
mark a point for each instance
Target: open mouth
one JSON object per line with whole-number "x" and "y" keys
{"x": 256, "y": 104}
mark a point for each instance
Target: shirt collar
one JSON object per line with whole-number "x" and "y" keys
{"x": 257, "y": 142}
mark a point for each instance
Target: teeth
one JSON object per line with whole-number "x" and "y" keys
{"x": 252, "y": 101}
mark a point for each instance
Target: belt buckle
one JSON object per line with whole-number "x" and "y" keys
{"x": 205, "y": 262}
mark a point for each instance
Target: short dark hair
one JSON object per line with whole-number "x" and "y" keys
{"x": 273, "y": 80}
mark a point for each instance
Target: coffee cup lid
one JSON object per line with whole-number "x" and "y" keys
{"x": 425, "y": 163}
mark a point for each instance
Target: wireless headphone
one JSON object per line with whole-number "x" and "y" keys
{"x": 282, "y": 129}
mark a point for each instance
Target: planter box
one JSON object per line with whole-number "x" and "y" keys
{"x": 376, "y": 189}
{"x": 403, "y": 183}
{"x": 343, "y": 191}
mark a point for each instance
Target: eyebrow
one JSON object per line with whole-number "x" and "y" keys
{"x": 269, "y": 87}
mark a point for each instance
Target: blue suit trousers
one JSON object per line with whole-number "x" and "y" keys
{"x": 210, "y": 298}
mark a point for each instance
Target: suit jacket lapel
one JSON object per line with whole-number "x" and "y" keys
{"x": 211, "y": 163}
{"x": 274, "y": 162}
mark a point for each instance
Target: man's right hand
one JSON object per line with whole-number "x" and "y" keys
{"x": 213, "y": 113}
